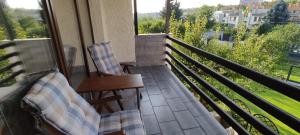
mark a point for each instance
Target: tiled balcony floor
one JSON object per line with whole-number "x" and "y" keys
{"x": 167, "y": 107}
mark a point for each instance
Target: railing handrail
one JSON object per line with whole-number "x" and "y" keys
{"x": 266, "y": 106}
{"x": 210, "y": 101}
{"x": 278, "y": 113}
{"x": 274, "y": 84}
{"x": 256, "y": 123}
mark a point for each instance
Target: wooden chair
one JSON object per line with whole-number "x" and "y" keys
{"x": 63, "y": 111}
{"x": 70, "y": 56}
{"x": 107, "y": 65}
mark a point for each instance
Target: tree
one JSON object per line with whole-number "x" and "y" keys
{"x": 207, "y": 12}
{"x": 241, "y": 32}
{"x": 278, "y": 14}
{"x": 5, "y": 20}
{"x": 175, "y": 8}
{"x": 2, "y": 33}
{"x": 150, "y": 25}
{"x": 168, "y": 15}
{"x": 167, "y": 11}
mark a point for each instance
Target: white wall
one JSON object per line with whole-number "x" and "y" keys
{"x": 112, "y": 20}
{"x": 68, "y": 27}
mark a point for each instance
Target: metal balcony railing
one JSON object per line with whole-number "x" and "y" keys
{"x": 274, "y": 84}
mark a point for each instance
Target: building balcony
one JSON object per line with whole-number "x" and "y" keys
{"x": 176, "y": 98}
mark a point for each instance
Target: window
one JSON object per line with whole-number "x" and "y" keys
{"x": 255, "y": 19}
{"x": 27, "y": 29}
{"x": 26, "y": 53}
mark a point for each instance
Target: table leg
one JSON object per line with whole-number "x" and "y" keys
{"x": 118, "y": 100}
{"x": 138, "y": 97}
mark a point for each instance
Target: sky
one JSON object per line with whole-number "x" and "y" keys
{"x": 144, "y": 6}
{"x": 28, "y": 4}
{"x": 148, "y": 6}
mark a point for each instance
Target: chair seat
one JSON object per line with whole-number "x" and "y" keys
{"x": 129, "y": 120}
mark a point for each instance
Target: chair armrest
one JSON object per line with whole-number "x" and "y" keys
{"x": 126, "y": 66}
{"x": 130, "y": 64}
{"x": 122, "y": 132}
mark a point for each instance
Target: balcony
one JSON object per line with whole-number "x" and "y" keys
{"x": 176, "y": 98}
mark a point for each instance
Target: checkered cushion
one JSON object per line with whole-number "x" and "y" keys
{"x": 60, "y": 106}
{"x": 104, "y": 59}
{"x": 129, "y": 120}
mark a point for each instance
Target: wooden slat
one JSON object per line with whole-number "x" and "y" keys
{"x": 109, "y": 83}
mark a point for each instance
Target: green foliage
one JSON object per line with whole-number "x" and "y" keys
{"x": 20, "y": 33}
{"x": 2, "y": 33}
{"x": 207, "y": 12}
{"x": 228, "y": 31}
{"x": 264, "y": 28}
{"x": 280, "y": 39}
{"x": 278, "y": 14}
{"x": 33, "y": 28}
{"x": 240, "y": 35}
{"x": 177, "y": 27}
{"x": 194, "y": 31}
{"x": 6, "y": 21}
{"x": 151, "y": 25}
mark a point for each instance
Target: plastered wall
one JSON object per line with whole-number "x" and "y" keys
{"x": 112, "y": 20}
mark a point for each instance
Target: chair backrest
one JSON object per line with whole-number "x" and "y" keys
{"x": 104, "y": 59}
{"x": 61, "y": 107}
{"x": 70, "y": 56}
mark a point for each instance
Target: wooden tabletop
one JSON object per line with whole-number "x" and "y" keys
{"x": 96, "y": 83}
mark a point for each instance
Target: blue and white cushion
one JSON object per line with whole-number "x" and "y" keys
{"x": 104, "y": 59}
{"x": 60, "y": 106}
{"x": 129, "y": 120}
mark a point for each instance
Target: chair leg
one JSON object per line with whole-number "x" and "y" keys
{"x": 119, "y": 102}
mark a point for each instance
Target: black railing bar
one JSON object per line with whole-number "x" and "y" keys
{"x": 238, "y": 128}
{"x": 5, "y": 45}
{"x": 4, "y": 57}
{"x": 248, "y": 117}
{"x": 6, "y": 68}
{"x": 275, "y": 84}
{"x": 281, "y": 115}
{"x": 12, "y": 76}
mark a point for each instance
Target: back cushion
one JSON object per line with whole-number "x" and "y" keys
{"x": 60, "y": 106}
{"x": 104, "y": 59}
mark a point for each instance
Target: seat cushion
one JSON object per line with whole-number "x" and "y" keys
{"x": 104, "y": 59}
{"x": 132, "y": 123}
{"x": 60, "y": 106}
{"x": 129, "y": 120}
{"x": 110, "y": 123}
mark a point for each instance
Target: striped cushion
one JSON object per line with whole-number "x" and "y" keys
{"x": 129, "y": 120}
{"x": 104, "y": 59}
{"x": 60, "y": 106}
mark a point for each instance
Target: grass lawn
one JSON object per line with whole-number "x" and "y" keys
{"x": 283, "y": 69}
{"x": 289, "y": 105}
{"x": 285, "y": 103}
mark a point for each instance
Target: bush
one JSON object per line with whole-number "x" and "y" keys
{"x": 152, "y": 26}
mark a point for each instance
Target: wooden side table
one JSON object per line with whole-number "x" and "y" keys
{"x": 112, "y": 83}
